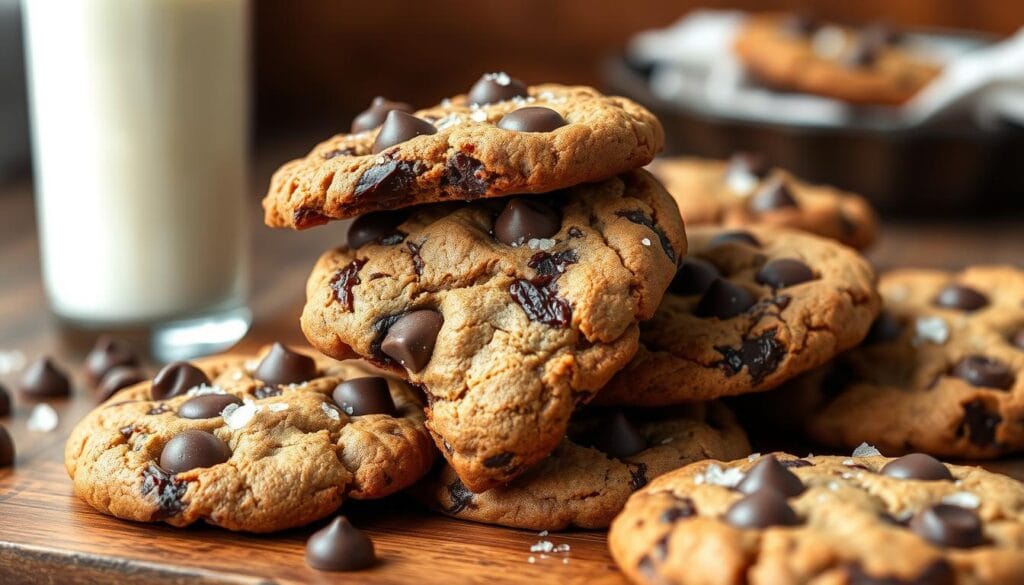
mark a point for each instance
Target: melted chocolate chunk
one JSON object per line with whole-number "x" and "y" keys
{"x": 683, "y": 508}
{"x": 501, "y": 460}
{"x": 465, "y": 174}
{"x": 394, "y": 179}
{"x": 984, "y": 372}
{"x": 339, "y": 546}
{"x": 306, "y": 218}
{"x": 553, "y": 265}
{"x": 380, "y": 227}
{"x": 979, "y": 424}
{"x": 645, "y": 220}
{"x": 460, "y": 495}
{"x": 540, "y": 300}
{"x": 343, "y": 281}
{"x": 638, "y": 476}
{"x": 694, "y": 276}
{"x": 417, "y": 260}
{"x": 169, "y": 490}
{"x": 760, "y": 355}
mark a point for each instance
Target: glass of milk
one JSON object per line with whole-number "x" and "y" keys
{"x": 139, "y": 120}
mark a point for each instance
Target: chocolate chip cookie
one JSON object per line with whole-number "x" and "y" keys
{"x": 607, "y": 455}
{"x": 747, "y": 311}
{"x": 502, "y": 138}
{"x": 255, "y": 444}
{"x": 869, "y": 65}
{"x": 941, "y": 372}
{"x": 850, "y": 520}
{"x": 747, "y": 191}
{"x": 508, "y": 313}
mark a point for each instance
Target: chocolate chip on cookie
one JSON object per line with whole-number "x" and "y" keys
{"x": 398, "y": 127}
{"x": 363, "y": 396}
{"x": 175, "y": 379}
{"x": 523, "y": 220}
{"x": 191, "y": 449}
{"x": 532, "y": 119}
{"x": 108, "y": 353}
{"x": 281, "y": 365}
{"x": 694, "y": 276}
{"x": 724, "y": 299}
{"x": 410, "y": 339}
{"x": 772, "y": 196}
{"x": 496, "y": 87}
{"x": 964, "y": 298}
{"x": 917, "y": 466}
{"x": 948, "y": 525}
{"x": 207, "y": 405}
{"x": 769, "y": 474}
{"x": 379, "y": 228}
{"x": 985, "y": 372}
{"x": 373, "y": 116}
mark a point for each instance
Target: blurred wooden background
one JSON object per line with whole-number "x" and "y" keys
{"x": 321, "y": 61}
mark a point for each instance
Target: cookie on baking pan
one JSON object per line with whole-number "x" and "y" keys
{"x": 254, "y": 444}
{"x": 607, "y": 455}
{"x": 870, "y": 65}
{"x": 508, "y": 313}
{"x": 747, "y": 191}
{"x": 843, "y": 520}
{"x": 747, "y": 311}
{"x": 502, "y": 138}
{"x": 942, "y": 371}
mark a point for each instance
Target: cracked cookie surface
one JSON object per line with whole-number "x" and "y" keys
{"x": 746, "y": 191}
{"x": 942, "y": 372}
{"x": 469, "y": 156}
{"x": 505, "y": 340}
{"x": 871, "y": 65}
{"x": 283, "y": 455}
{"x": 747, "y": 311}
{"x": 839, "y": 521}
{"x": 586, "y": 480}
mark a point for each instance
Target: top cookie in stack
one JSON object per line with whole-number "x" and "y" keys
{"x": 513, "y": 290}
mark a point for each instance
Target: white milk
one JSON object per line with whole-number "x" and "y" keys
{"x": 139, "y": 112}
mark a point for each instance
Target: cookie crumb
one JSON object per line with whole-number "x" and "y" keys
{"x": 43, "y": 419}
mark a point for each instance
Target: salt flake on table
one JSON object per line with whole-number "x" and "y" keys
{"x": 865, "y": 450}
{"x": 42, "y": 419}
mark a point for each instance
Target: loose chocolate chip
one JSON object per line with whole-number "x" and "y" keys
{"x": 724, "y": 300}
{"x": 399, "y": 127}
{"x": 374, "y": 115}
{"x": 540, "y": 301}
{"x": 119, "y": 378}
{"x": 799, "y": 25}
{"x": 5, "y": 401}
{"x": 749, "y": 163}
{"x": 1018, "y": 339}
{"x": 761, "y": 509}
{"x": 917, "y": 466}
{"x": 380, "y": 228}
{"x": 170, "y": 491}
{"x": 344, "y": 280}
{"x": 6, "y": 448}
{"x": 206, "y": 405}
{"x": 175, "y": 379}
{"x": 885, "y": 328}
{"x": 284, "y": 366}
{"x": 532, "y": 119}
{"x": 734, "y": 237}
{"x": 618, "y": 437}
{"x": 784, "y": 272}
{"x": 410, "y": 340}
{"x": 191, "y": 449}
{"x": 768, "y": 473}
{"x": 694, "y": 276}
{"x": 948, "y": 525}
{"x": 773, "y": 195}
{"x": 465, "y": 175}
{"x": 369, "y": 395}
{"x": 339, "y": 546}
{"x": 43, "y": 378}
{"x": 760, "y": 355}
{"x": 106, "y": 354}
{"x": 965, "y": 298}
{"x": 979, "y": 423}
{"x": 984, "y": 372}
{"x": 496, "y": 87}
{"x": 392, "y": 179}
{"x": 525, "y": 219}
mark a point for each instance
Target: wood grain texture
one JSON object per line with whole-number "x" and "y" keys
{"x": 48, "y": 535}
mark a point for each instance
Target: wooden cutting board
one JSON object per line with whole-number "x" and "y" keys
{"x": 48, "y": 535}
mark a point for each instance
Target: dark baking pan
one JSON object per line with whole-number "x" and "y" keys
{"x": 928, "y": 171}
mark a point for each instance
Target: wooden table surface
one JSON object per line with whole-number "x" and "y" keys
{"x": 48, "y": 535}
